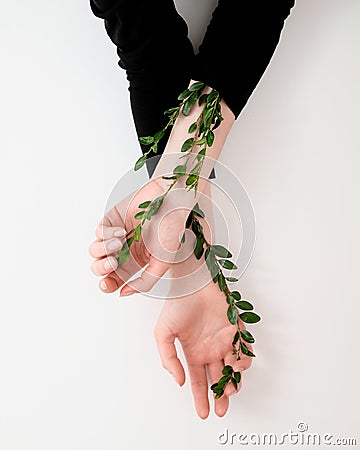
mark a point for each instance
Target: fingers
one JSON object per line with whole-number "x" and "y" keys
{"x": 165, "y": 341}
{"x": 221, "y": 404}
{"x": 149, "y": 277}
{"x": 104, "y": 266}
{"x": 111, "y": 283}
{"x": 99, "y": 249}
{"x": 238, "y": 366}
{"x": 199, "y": 387}
{"x": 104, "y": 231}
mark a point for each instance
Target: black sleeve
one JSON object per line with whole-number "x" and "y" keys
{"x": 155, "y": 51}
{"x": 238, "y": 45}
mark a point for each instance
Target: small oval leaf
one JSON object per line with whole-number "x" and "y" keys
{"x": 249, "y": 317}
{"x": 232, "y": 314}
{"x": 226, "y": 264}
{"x": 140, "y": 162}
{"x": 244, "y": 305}
{"x": 221, "y": 251}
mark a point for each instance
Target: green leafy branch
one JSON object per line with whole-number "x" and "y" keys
{"x": 202, "y": 129}
{"x": 217, "y": 259}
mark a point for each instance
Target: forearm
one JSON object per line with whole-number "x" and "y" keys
{"x": 173, "y": 157}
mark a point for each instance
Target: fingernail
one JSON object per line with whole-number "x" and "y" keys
{"x": 119, "y": 233}
{"x": 126, "y": 291}
{"x": 110, "y": 265}
{"x": 176, "y": 381}
{"x": 103, "y": 286}
{"x": 114, "y": 245}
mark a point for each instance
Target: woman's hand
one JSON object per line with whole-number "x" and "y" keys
{"x": 156, "y": 248}
{"x": 199, "y": 321}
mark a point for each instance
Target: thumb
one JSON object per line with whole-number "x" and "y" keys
{"x": 149, "y": 277}
{"x": 165, "y": 341}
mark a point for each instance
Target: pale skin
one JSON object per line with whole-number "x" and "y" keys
{"x": 197, "y": 319}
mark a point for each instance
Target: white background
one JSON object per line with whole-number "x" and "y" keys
{"x": 79, "y": 369}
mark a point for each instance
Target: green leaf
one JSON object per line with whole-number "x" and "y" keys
{"x": 200, "y": 141}
{"x": 124, "y": 253}
{"x": 212, "y": 264}
{"x": 215, "y": 278}
{"x": 222, "y": 282}
{"x": 180, "y": 170}
{"x": 231, "y": 279}
{"x": 153, "y": 207}
{"x": 197, "y": 228}
{"x": 249, "y": 317}
{"x": 207, "y": 253}
{"x": 140, "y": 162}
{"x": 184, "y": 94}
{"x": 212, "y": 96}
{"x": 189, "y": 103}
{"x": 234, "y": 382}
{"x": 187, "y": 145}
{"x": 229, "y": 300}
{"x": 221, "y": 251}
{"x": 232, "y": 314}
{"x": 244, "y": 305}
{"x": 147, "y": 140}
{"x": 237, "y": 376}
{"x": 191, "y": 179}
{"x": 137, "y": 232}
{"x": 236, "y": 338}
{"x": 227, "y": 370}
{"x": 160, "y": 134}
{"x": 196, "y": 86}
{"x": 145, "y": 204}
{"x": 199, "y": 212}
{"x": 201, "y": 154}
{"x": 247, "y": 336}
{"x": 199, "y": 247}
{"x": 236, "y": 295}
{"x": 202, "y": 99}
{"x": 173, "y": 177}
{"x": 192, "y": 128}
{"x": 226, "y": 264}
{"x": 225, "y": 379}
{"x": 208, "y": 113}
{"x": 245, "y": 350}
{"x": 140, "y": 215}
{"x": 183, "y": 238}
{"x": 154, "y": 148}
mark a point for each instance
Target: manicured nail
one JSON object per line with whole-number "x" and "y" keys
{"x": 126, "y": 291}
{"x": 103, "y": 285}
{"x": 114, "y": 245}
{"x": 176, "y": 381}
{"x": 119, "y": 233}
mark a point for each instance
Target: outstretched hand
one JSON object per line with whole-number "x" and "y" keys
{"x": 199, "y": 322}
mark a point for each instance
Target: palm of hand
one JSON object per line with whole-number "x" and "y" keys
{"x": 200, "y": 324}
